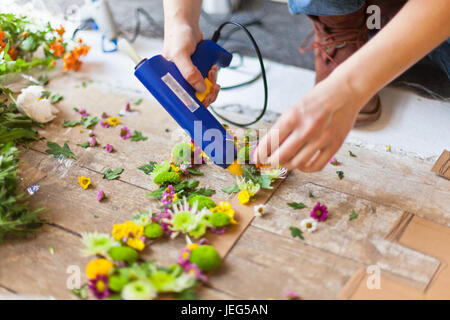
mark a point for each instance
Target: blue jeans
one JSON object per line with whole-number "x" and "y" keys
{"x": 440, "y": 55}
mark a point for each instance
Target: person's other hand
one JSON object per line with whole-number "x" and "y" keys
{"x": 180, "y": 41}
{"x": 312, "y": 130}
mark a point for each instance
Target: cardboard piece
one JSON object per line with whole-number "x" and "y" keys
{"x": 422, "y": 235}
{"x": 442, "y": 165}
{"x": 244, "y": 215}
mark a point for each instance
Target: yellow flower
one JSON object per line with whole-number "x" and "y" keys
{"x": 192, "y": 246}
{"x": 114, "y": 121}
{"x": 388, "y": 148}
{"x": 84, "y": 182}
{"x": 175, "y": 168}
{"x": 127, "y": 229}
{"x": 244, "y": 196}
{"x": 135, "y": 243}
{"x": 185, "y": 255}
{"x": 235, "y": 168}
{"x": 99, "y": 267}
{"x": 175, "y": 197}
{"x": 225, "y": 207}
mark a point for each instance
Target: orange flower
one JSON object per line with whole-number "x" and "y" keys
{"x": 2, "y": 35}
{"x": 80, "y": 40}
{"x": 13, "y": 53}
{"x": 61, "y": 30}
{"x": 53, "y": 63}
{"x": 57, "y": 48}
{"x": 71, "y": 59}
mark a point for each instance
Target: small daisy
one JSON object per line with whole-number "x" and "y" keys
{"x": 308, "y": 224}
{"x": 259, "y": 210}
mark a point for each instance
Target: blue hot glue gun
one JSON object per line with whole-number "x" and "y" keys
{"x": 165, "y": 82}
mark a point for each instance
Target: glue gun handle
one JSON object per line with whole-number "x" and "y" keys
{"x": 209, "y": 53}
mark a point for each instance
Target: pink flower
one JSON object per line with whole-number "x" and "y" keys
{"x": 109, "y": 148}
{"x": 168, "y": 194}
{"x": 104, "y": 124}
{"x": 101, "y": 195}
{"x": 83, "y": 112}
{"x": 93, "y": 141}
{"x": 104, "y": 115}
{"x": 319, "y": 212}
{"x": 99, "y": 287}
{"x": 192, "y": 269}
{"x": 91, "y": 133}
{"x": 128, "y": 107}
{"x": 334, "y": 162}
{"x": 125, "y": 133}
{"x": 220, "y": 230}
{"x": 292, "y": 295}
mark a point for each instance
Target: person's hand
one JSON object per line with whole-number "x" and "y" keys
{"x": 312, "y": 131}
{"x": 180, "y": 41}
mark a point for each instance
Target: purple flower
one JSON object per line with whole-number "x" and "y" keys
{"x": 292, "y": 295}
{"x": 183, "y": 258}
{"x": 93, "y": 141}
{"x": 319, "y": 212}
{"x": 192, "y": 269}
{"x": 91, "y": 133}
{"x": 167, "y": 196}
{"x": 99, "y": 287}
{"x": 104, "y": 115}
{"x": 109, "y": 148}
{"x": 334, "y": 162}
{"x": 128, "y": 107}
{"x": 220, "y": 230}
{"x": 101, "y": 195}
{"x": 104, "y": 124}
{"x": 125, "y": 133}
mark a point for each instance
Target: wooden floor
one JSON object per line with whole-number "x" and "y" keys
{"x": 266, "y": 260}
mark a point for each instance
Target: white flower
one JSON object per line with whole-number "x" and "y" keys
{"x": 259, "y": 210}
{"x": 308, "y": 224}
{"x": 143, "y": 218}
{"x": 97, "y": 243}
{"x": 248, "y": 185}
{"x": 30, "y": 103}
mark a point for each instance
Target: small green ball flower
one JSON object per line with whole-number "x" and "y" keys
{"x": 153, "y": 231}
{"x": 166, "y": 178}
{"x": 123, "y": 253}
{"x": 202, "y": 202}
{"x": 117, "y": 282}
{"x": 219, "y": 219}
{"x": 205, "y": 257}
{"x": 182, "y": 153}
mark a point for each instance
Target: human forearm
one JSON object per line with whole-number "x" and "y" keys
{"x": 185, "y": 12}
{"x": 416, "y": 30}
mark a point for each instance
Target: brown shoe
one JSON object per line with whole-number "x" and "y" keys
{"x": 336, "y": 39}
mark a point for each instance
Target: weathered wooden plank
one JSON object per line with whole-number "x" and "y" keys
{"x": 361, "y": 239}
{"x": 28, "y": 267}
{"x": 402, "y": 182}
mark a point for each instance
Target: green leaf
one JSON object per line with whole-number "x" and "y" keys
{"x": 265, "y": 181}
{"x": 137, "y": 136}
{"x": 45, "y": 94}
{"x": 297, "y": 205}
{"x": 340, "y": 174}
{"x": 109, "y": 174}
{"x": 56, "y": 98}
{"x": 57, "y": 151}
{"x": 203, "y": 192}
{"x": 353, "y": 216}
{"x": 52, "y": 250}
{"x": 186, "y": 294}
{"x": 232, "y": 189}
{"x": 88, "y": 122}
{"x": 85, "y": 144}
{"x": 71, "y": 123}
{"x": 296, "y": 232}
{"x": 148, "y": 168}
{"x": 352, "y": 154}
{"x": 138, "y": 102}
{"x": 195, "y": 172}
{"x": 81, "y": 293}
{"x": 310, "y": 195}
{"x": 43, "y": 79}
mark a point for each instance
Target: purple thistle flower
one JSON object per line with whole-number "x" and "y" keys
{"x": 319, "y": 212}
{"x": 125, "y": 133}
{"x": 109, "y": 148}
{"x": 100, "y": 195}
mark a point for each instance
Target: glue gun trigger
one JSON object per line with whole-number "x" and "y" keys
{"x": 202, "y": 95}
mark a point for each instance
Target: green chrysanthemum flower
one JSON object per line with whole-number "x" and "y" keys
{"x": 202, "y": 202}
{"x": 117, "y": 282}
{"x": 198, "y": 231}
{"x": 166, "y": 178}
{"x": 123, "y": 253}
{"x": 98, "y": 243}
{"x": 160, "y": 168}
{"x": 205, "y": 257}
{"x": 162, "y": 281}
{"x": 153, "y": 231}
{"x": 219, "y": 219}
{"x": 183, "y": 221}
{"x": 143, "y": 219}
{"x": 182, "y": 153}
{"x": 139, "y": 290}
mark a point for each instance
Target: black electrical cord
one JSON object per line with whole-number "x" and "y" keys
{"x": 215, "y": 38}
{"x": 140, "y": 11}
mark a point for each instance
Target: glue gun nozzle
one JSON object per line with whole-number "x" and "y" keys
{"x": 126, "y": 48}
